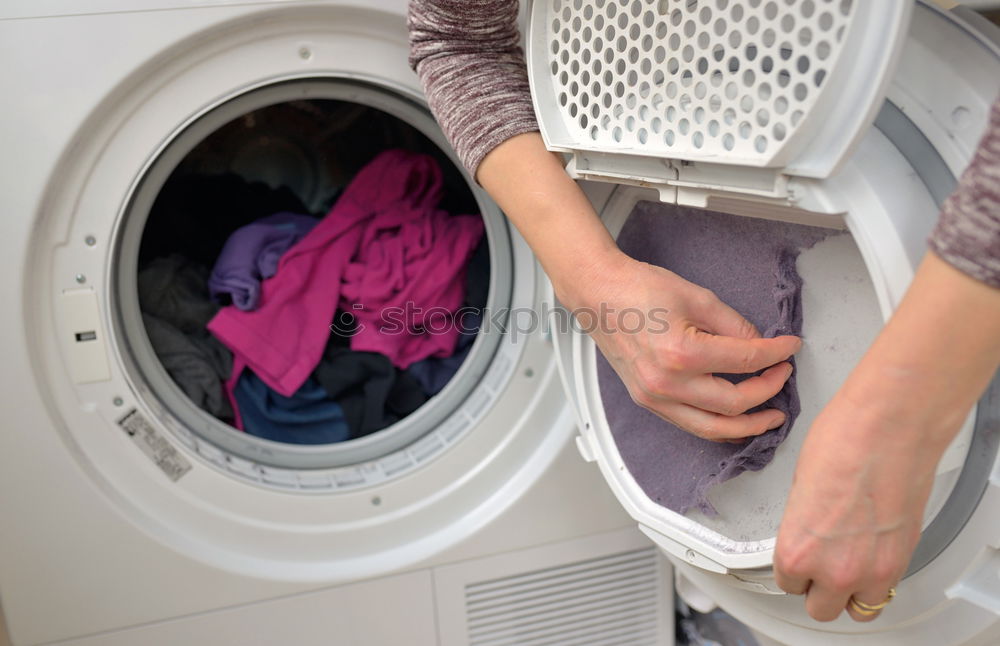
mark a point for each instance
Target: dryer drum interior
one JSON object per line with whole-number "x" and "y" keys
{"x": 292, "y": 146}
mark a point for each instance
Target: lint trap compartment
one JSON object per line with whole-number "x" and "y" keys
{"x": 740, "y": 137}
{"x": 718, "y": 505}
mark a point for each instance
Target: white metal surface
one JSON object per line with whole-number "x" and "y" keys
{"x": 98, "y": 538}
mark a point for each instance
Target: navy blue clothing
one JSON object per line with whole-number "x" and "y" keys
{"x": 307, "y": 417}
{"x": 434, "y": 374}
{"x": 373, "y": 393}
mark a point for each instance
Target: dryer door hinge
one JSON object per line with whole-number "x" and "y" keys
{"x": 682, "y": 182}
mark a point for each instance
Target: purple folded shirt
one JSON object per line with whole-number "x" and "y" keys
{"x": 251, "y": 254}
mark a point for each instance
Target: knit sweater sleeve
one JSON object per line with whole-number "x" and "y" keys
{"x": 467, "y": 54}
{"x": 968, "y": 233}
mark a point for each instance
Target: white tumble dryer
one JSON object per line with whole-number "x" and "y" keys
{"x": 129, "y": 516}
{"x": 856, "y": 116}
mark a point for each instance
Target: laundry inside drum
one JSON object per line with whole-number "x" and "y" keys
{"x": 785, "y": 279}
{"x": 313, "y": 272}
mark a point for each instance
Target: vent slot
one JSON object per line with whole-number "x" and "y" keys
{"x": 610, "y": 600}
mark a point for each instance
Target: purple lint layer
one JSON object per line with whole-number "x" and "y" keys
{"x": 750, "y": 264}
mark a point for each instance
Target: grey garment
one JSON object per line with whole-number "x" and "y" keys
{"x": 750, "y": 265}
{"x": 175, "y": 290}
{"x": 714, "y": 628}
{"x": 173, "y": 297}
{"x": 196, "y": 361}
{"x": 968, "y": 234}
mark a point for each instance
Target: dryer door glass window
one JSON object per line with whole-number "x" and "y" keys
{"x": 210, "y": 243}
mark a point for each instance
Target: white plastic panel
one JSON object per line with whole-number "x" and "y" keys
{"x": 786, "y": 84}
{"x": 349, "y": 615}
{"x": 82, "y": 336}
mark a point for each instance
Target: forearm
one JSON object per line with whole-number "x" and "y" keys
{"x": 551, "y": 212}
{"x": 931, "y": 362}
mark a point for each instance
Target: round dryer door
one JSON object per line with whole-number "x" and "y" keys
{"x": 264, "y": 110}
{"x": 853, "y": 232}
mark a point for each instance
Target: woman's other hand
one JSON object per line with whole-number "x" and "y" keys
{"x": 865, "y": 472}
{"x": 853, "y": 516}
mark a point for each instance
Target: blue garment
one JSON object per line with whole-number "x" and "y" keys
{"x": 251, "y": 254}
{"x": 434, "y": 374}
{"x": 307, "y": 417}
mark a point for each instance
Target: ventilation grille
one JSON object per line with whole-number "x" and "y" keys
{"x": 607, "y": 601}
{"x": 689, "y": 78}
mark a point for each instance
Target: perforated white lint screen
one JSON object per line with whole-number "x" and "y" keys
{"x": 731, "y": 81}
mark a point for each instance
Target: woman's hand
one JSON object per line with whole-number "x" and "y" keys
{"x": 855, "y": 510}
{"x": 667, "y": 368}
{"x": 665, "y": 337}
{"x": 854, "y": 513}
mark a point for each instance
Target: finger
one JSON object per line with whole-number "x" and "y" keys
{"x": 790, "y": 583}
{"x": 716, "y": 395}
{"x": 872, "y": 595}
{"x": 731, "y": 355}
{"x": 824, "y": 603}
{"x": 718, "y": 318}
{"x": 860, "y": 617}
{"x": 720, "y": 428}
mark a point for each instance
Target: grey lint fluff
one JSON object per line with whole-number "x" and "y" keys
{"x": 750, "y": 265}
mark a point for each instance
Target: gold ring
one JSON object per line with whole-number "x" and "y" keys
{"x": 868, "y": 609}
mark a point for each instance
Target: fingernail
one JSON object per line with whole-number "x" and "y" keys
{"x": 788, "y": 370}
{"x": 777, "y": 421}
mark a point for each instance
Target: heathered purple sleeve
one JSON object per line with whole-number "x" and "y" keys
{"x": 968, "y": 234}
{"x": 468, "y": 56}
